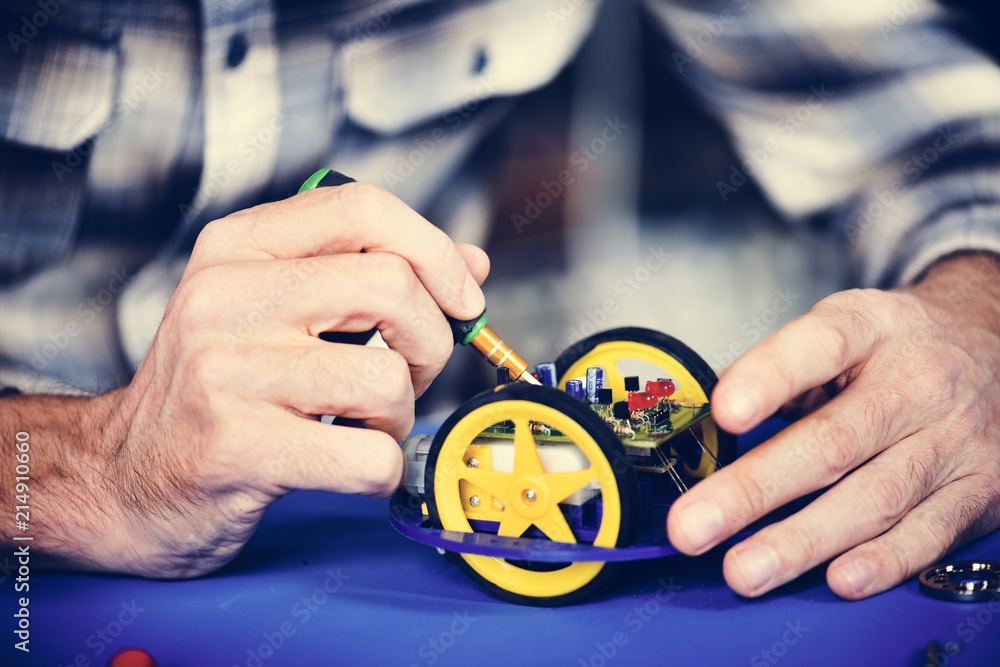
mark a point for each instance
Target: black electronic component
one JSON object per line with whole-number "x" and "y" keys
{"x": 632, "y": 383}
{"x": 604, "y": 396}
{"x": 503, "y": 375}
{"x": 620, "y": 410}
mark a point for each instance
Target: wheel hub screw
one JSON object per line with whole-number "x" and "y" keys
{"x": 473, "y": 463}
{"x": 474, "y": 501}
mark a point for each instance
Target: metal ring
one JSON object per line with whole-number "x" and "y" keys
{"x": 962, "y": 581}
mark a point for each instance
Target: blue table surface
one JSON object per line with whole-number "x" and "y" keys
{"x": 327, "y": 581}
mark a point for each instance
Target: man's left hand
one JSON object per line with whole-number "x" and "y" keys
{"x": 909, "y": 444}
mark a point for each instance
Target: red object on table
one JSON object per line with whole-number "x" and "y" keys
{"x": 131, "y": 657}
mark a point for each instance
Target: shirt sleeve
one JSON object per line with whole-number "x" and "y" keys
{"x": 878, "y": 113}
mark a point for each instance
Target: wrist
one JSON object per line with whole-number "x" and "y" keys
{"x": 964, "y": 288}
{"x": 73, "y": 510}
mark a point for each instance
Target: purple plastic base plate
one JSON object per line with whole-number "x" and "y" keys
{"x": 406, "y": 517}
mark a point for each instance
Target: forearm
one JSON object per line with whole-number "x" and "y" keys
{"x": 965, "y": 289}
{"x": 63, "y": 444}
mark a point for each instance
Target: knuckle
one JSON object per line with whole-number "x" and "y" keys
{"x": 857, "y": 314}
{"x": 807, "y": 545}
{"x": 841, "y": 446}
{"x": 884, "y": 410}
{"x": 367, "y": 200}
{"x": 383, "y": 476}
{"x": 208, "y": 368}
{"x": 396, "y": 383}
{"x": 894, "y": 561}
{"x": 318, "y": 373}
{"x": 441, "y": 351}
{"x": 197, "y": 297}
{"x": 889, "y": 497}
{"x": 212, "y": 238}
{"x": 387, "y": 385}
{"x": 752, "y": 499}
{"x": 390, "y": 274}
{"x": 838, "y": 346}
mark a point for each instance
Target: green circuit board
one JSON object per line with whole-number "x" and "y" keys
{"x": 647, "y": 428}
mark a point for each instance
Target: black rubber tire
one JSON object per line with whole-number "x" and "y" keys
{"x": 610, "y": 446}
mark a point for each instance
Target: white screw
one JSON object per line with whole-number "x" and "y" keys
{"x": 473, "y": 463}
{"x": 474, "y": 501}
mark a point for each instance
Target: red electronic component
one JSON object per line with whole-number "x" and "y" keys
{"x": 132, "y": 657}
{"x": 660, "y": 388}
{"x": 641, "y": 400}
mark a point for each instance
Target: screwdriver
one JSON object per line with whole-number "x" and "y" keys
{"x": 473, "y": 332}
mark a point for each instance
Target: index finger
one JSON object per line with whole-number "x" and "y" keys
{"x": 836, "y": 335}
{"x": 348, "y": 218}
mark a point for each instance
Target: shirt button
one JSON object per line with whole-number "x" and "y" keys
{"x": 237, "y": 51}
{"x": 479, "y": 61}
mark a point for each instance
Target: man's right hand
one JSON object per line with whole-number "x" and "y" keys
{"x": 220, "y": 419}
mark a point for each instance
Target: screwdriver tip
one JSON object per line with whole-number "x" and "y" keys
{"x": 528, "y": 377}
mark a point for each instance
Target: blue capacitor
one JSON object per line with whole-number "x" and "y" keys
{"x": 575, "y": 389}
{"x": 595, "y": 382}
{"x": 546, "y": 373}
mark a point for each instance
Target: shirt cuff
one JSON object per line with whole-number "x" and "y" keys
{"x": 976, "y": 228}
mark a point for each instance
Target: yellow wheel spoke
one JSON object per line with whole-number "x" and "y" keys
{"x": 494, "y": 482}
{"x": 526, "y": 461}
{"x": 554, "y": 525}
{"x": 513, "y": 524}
{"x": 564, "y": 484}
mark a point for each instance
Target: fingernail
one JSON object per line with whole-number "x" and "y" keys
{"x": 758, "y": 565}
{"x": 742, "y": 403}
{"x": 860, "y": 573}
{"x": 472, "y": 295}
{"x": 701, "y": 524}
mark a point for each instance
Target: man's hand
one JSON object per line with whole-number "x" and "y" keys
{"x": 909, "y": 445}
{"x": 220, "y": 419}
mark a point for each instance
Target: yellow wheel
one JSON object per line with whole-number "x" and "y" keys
{"x": 620, "y": 352}
{"x": 529, "y": 461}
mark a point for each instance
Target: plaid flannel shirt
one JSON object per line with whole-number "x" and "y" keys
{"x": 125, "y": 126}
